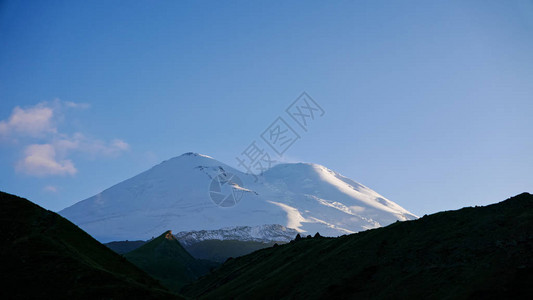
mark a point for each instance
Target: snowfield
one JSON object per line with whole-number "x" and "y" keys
{"x": 175, "y": 195}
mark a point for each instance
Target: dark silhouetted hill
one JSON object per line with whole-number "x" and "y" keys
{"x": 165, "y": 259}
{"x": 471, "y": 253}
{"x": 44, "y": 256}
{"x": 123, "y": 247}
{"x": 213, "y": 250}
{"x": 221, "y": 250}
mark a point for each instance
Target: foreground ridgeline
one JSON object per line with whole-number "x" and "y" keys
{"x": 471, "y": 253}
{"x": 44, "y": 256}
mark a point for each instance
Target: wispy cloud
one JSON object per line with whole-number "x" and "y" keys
{"x": 94, "y": 147}
{"x": 46, "y": 149}
{"x": 70, "y": 104}
{"x": 50, "y": 189}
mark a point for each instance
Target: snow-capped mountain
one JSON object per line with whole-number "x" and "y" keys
{"x": 262, "y": 233}
{"x": 196, "y": 192}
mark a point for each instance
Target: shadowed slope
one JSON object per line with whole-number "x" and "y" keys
{"x": 482, "y": 252}
{"x": 45, "y": 256}
{"x": 165, "y": 259}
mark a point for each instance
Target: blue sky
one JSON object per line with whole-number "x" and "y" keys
{"x": 427, "y": 102}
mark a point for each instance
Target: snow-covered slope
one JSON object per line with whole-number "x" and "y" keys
{"x": 262, "y": 233}
{"x": 176, "y": 195}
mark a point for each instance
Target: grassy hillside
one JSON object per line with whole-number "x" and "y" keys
{"x": 213, "y": 250}
{"x": 220, "y": 251}
{"x": 166, "y": 260}
{"x": 123, "y": 247}
{"x": 482, "y": 252}
{"x": 44, "y": 256}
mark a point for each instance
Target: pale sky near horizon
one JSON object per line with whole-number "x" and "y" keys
{"x": 429, "y": 103}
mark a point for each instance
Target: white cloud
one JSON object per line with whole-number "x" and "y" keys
{"x": 48, "y": 151}
{"x": 39, "y": 120}
{"x": 48, "y": 159}
{"x": 40, "y": 160}
{"x": 34, "y": 121}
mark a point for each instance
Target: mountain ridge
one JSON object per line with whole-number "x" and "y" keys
{"x": 263, "y": 233}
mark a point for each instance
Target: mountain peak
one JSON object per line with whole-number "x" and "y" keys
{"x": 165, "y": 259}
{"x": 189, "y": 160}
{"x": 195, "y": 154}
{"x": 169, "y": 236}
{"x": 182, "y": 193}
